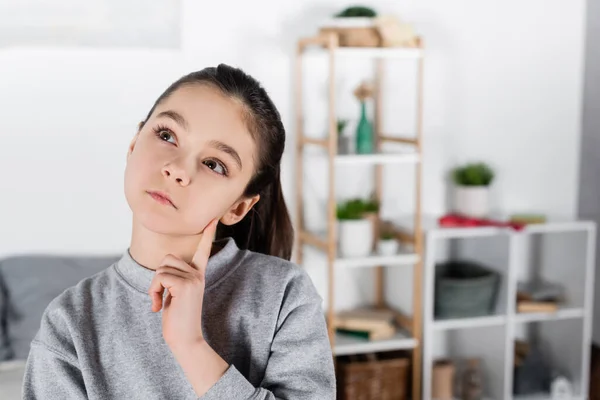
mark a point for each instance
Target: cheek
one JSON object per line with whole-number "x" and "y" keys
{"x": 210, "y": 200}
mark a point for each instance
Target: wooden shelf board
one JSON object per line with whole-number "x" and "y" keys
{"x": 430, "y": 225}
{"x": 563, "y": 313}
{"x": 399, "y": 157}
{"x": 376, "y": 260}
{"x": 345, "y": 344}
{"x": 541, "y": 396}
{"x": 380, "y": 52}
{"x": 464, "y": 323}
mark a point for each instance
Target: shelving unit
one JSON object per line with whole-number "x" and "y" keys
{"x": 559, "y": 251}
{"x": 409, "y": 337}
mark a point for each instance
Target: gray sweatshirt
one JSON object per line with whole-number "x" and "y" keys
{"x": 262, "y": 314}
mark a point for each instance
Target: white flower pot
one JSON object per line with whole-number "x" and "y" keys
{"x": 355, "y": 237}
{"x": 472, "y": 201}
{"x": 387, "y": 247}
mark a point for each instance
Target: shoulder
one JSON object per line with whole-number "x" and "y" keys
{"x": 77, "y": 296}
{"x": 284, "y": 277}
{"x": 64, "y": 314}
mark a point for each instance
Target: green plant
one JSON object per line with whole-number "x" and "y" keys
{"x": 341, "y": 124}
{"x": 353, "y": 209}
{"x": 357, "y": 11}
{"x": 371, "y": 206}
{"x": 473, "y": 174}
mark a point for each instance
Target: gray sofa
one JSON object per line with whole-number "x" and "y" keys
{"x": 27, "y": 285}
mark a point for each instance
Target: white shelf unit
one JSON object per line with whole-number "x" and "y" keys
{"x": 557, "y": 251}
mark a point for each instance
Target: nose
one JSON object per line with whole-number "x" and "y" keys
{"x": 176, "y": 173}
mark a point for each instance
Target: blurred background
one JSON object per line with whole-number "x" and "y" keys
{"x": 512, "y": 85}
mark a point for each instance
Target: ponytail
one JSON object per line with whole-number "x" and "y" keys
{"x": 267, "y": 228}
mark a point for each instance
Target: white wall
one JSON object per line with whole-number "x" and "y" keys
{"x": 503, "y": 84}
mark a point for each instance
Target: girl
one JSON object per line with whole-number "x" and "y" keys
{"x": 181, "y": 316}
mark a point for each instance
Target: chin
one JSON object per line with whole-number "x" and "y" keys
{"x": 157, "y": 223}
{"x": 158, "y": 218}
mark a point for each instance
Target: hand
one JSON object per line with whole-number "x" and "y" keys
{"x": 182, "y": 307}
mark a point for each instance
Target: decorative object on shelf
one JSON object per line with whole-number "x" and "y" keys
{"x": 343, "y": 140}
{"x": 531, "y": 372}
{"x": 539, "y": 296}
{"x": 367, "y": 323}
{"x": 527, "y": 219}
{"x": 442, "y": 382}
{"x": 360, "y": 26}
{"x": 364, "y": 130}
{"x": 472, "y": 189}
{"x": 355, "y": 230}
{"x": 460, "y": 221}
{"x": 355, "y": 27}
{"x": 395, "y": 33}
{"x": 472, "y": 380}
{"x": 388, "y": 244}
{"x": 561, "y": 388}
{"x": 357, "y": 12}
{"x": 373, "y": 376}
{"x": 465, "y": 289}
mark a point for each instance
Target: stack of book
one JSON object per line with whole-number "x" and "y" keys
{"x": 367, "y": 323}
{"x": 539, "y": 296}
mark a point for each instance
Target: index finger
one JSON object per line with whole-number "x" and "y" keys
{"x": 204, "y": 247}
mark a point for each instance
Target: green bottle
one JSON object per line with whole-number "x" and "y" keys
{"x": 364, "y": 132}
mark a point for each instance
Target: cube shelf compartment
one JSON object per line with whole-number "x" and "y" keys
{"x": 559, "y": 252}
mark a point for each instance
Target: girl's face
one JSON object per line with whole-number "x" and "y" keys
{"x": 190, "y": 163}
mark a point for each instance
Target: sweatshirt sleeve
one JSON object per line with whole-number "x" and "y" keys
{"x": 51, "y": 375}
{"x": 52, "y": 370}
{"x": 300, "y": 366}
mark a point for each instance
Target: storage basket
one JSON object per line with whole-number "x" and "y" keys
{"x": 356, "y": 37}
{"x": 465, "y": 289}
{"x": 353, "y": 32}
{"x": 382, "y": 376}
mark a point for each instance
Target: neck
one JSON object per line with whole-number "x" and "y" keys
{"x": 150, "y": 248}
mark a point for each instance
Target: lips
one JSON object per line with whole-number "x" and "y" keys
{"x": 162, "y": 198}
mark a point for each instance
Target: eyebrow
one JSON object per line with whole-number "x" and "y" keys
{"x": 175, "y": 116}
{"x": 227, "y": 149}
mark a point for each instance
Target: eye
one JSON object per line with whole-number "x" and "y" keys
{"x": 216, "y": 166}
{"x": 165, "y": 134}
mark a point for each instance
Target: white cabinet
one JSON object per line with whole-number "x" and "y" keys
{"x": 559, "y": 252}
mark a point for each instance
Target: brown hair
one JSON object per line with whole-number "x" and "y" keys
{"x": 267, "y": 228}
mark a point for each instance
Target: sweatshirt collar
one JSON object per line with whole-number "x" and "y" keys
{"x": 219, "y": 263}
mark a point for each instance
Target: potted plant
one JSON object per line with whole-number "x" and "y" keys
{"x": 355, "y": 27}
{"x": 387, "y": 245}
{"x": 343, "y": 140}
{"x": 355, "y": 232}
{"x": 472, "y": 182}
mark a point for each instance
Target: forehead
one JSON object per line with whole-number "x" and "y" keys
{"x": 211, "y": 115}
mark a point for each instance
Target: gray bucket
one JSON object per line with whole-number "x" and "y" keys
{"x": 465, "y": 289}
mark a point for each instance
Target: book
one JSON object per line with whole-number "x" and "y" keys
{"x": 364, "y": 319}
{"x": 536, "y": 306}
{"x": 380, "y": 334}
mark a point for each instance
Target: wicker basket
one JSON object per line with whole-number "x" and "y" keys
{"x": 378, "y": 377}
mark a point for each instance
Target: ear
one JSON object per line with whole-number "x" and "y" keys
{"x": 135, "y": 138}
{"x": 239, "y": 210}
